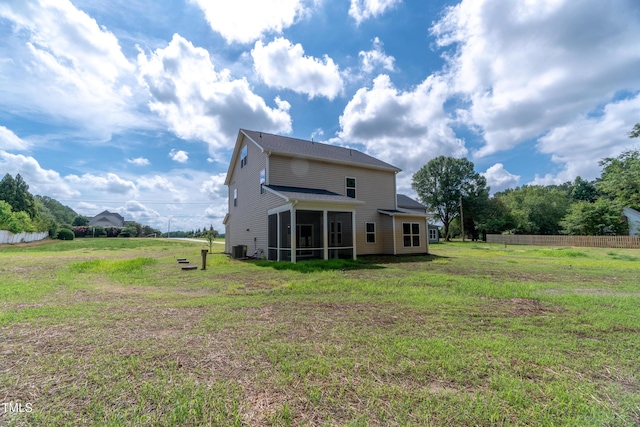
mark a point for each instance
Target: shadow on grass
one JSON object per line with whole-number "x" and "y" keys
{"x": 367, "y": 262}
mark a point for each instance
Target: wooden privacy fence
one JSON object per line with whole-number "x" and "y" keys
{"x": 630, "y": 242}
{"x": 9, "y": 237}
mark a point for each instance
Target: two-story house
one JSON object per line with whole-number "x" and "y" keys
{"x": 298, "y": 199}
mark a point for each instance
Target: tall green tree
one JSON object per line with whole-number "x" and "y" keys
{"x": 635, "y": 132}
{"x": 443, "y": 183}
{"x": 536, "y": 209}
{"x": 80, "y": 221}
{"x": 599, "y": 218}
{"x": 620, "y": 179}
{"x": 64, "y": 215}
{"x": 583, "y": 190}
{"x": 16, "y": 193}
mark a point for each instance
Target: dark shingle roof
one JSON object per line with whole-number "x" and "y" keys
{"x": 301, "y": 148}
{"x": 409, "y": 203}
{"x": 301, "y": 193}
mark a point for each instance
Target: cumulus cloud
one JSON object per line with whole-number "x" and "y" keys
{"x": 139, "y": 161}
{"x": 361, "y": 10}
{"x": 281, "y": 64}
{"x": 527, "y": 67}
{"x": 198, "y": 102}
{"x": 179, "y": 156}
{"x": 111, "y": 183}
{"x": 498, "y": 178}
{"x": 66, "y": 67}
{"x": 11, "y": 141}
{"x": 245, "y": 21}
{"x": 580, "y": 143}
{"x": 404, "y": 128}
{"x": 376, "y": 58}
{"x": 214, "y": 187}
{"x": 41, "y": 181}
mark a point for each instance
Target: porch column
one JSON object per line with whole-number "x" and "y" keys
{"x": 278, "y": 231}
{"x": 353, "y": 232}
{"x": 325, "y": 234}
{"x": 294, "y": 234}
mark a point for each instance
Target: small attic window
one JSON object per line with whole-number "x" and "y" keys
{"x": 243, "y": 157}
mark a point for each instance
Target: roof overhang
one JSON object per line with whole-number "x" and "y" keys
{"x": 403, "y": 213}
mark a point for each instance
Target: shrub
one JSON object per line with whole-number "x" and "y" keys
{"x": 81, "y": 231}
{"x": 65, "y": 234}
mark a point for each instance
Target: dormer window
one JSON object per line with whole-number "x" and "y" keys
{"x": 243, "y": 157}
{"x": 350, "y": 184}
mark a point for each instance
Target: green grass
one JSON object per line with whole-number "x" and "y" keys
{"x": 112, "y": 332}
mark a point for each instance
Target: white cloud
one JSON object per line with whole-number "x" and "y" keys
{"x": 111, "y": 184}
{"x": 581, "y": 143}
{"x": 361, "y": 10}
{"x": 66, "y": 67}
{"x": 139, "y": 161}
{"x": 179, "y": 156}
{"x": 376, "y": 58}
{"x": 197, "y": 102}
{"x": 214, "y": 187}
{"x": 41, "y": 181}
{"x": 406, "y": 129}
{"x": 11, "y": 141}
{"x": 499, "y": 179}
{"x": 526, "y": 67}
{"x": 245, "y": 21}
{"x": 281, "y": 64}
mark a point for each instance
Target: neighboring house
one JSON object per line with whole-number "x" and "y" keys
{"x": 407, "y": 203}
{"x": 299, "y": 199}
{"x": 633, "y": 218}
{"x": 107, "y": 219}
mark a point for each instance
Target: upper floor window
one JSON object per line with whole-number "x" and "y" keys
{"x": 243, "y": 157}
{"x": 235, "y": 197}
{"x": 411, "y": 234}
{"x": 262, "y": 180}
{"x": 351, "y": 187}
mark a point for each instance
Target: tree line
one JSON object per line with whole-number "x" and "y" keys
{"x": 20, "y": 211}
{"x": 459, "y": 198}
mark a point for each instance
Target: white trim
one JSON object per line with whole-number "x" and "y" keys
{"x": 355, "y": 187}
{"x": 393, "y": 226}
{"x": 366, "y": 233}
{"x": 353, "y": 232}
{"x": 325, "y": 233}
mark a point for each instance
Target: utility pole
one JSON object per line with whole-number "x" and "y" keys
{"x": 461, "y": 219}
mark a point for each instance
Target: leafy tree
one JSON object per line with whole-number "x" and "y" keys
{"x": 63, "y": 215}
{"x": 80, "y": 220}
{"x": 495, "y": 218}
{"x": 536, "y": 209}
{"x": 16, "y": 193}
{"x": 583, "y": 190}
{"x": 620, "y": 179}
{"x": 443, "y": 182}
{"x": 635, "y": 132}
{"x": 7, "y": 219}
{"x": 600, "y": 218}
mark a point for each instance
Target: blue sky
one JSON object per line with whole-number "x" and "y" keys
{"x": 134, "y": 105}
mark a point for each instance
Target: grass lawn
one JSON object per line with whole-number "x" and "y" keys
{"x": 112, "y": 332}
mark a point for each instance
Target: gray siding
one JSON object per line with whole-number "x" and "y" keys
{"x": 248, "y": 220}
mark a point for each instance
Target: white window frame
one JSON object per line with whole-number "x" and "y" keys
{"x": 412, "y": 235}
{"x": 370, "y": 233}
{"x": 263, "y": 179}
{"x": 347, "y": 187}
{"x": 243, "y": 156}
{"x": 235, "y": 197}
{"x": 433, "y": 234}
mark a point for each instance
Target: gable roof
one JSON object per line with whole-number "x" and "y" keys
{"x": 300, "y": 148}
